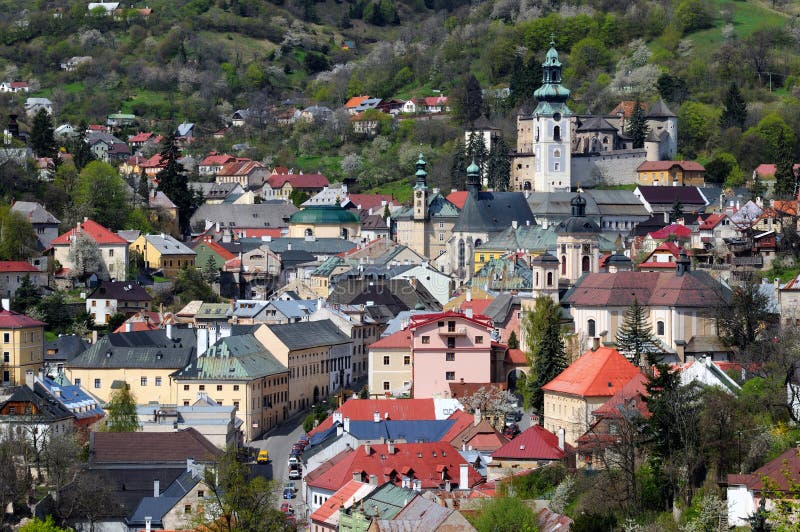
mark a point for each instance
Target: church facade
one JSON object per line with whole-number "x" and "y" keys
{"x": 558, "y": 150}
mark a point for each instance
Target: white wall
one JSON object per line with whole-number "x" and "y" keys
{"x": 740, "y": 505}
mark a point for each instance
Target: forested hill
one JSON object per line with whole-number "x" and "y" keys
{"x": 170, "y": 61}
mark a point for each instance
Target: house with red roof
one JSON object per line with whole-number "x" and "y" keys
{"x": 419, "y": 466}
{"x": 616, "y": 418}
{"x": 249, "y": 174}
{"x": 712, "y": 231}
{"x": 209, "y": 252}
{"x": 113, "y": 249}
{"x": 146, "y": 139}
{"x": 326, "y": 517}
{"x": 214, "y": 162}
{"x": 663, "y": 257}
{"x": 458, "y": 198}
{"x": 534, "y": 447}
{"x": 473, "y": 432}
{"x": 584, "y": 386}
{"x": 354, "y": 103}
{"x": 389, "y": 365}
{"x": 767, "y": 171}
{"x": 13, "y": 272}
{"x": 367, "y": 409}
{"x": 671, "y": 173}
{"x": 280, "y": 186}
{"x": 435, "y": 104}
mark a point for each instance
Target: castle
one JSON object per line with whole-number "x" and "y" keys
{"x": 557, "y": 150}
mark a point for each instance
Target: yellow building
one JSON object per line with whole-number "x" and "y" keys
{"x": 22, "y": 344}
{"x": 669, "y": 173}
{"x": 390, "y": 365}
{"x": 325, "y": 221}
{"x": 239, "y": 371}
{"x": 145, "y": 360}
{"x": 164, "y": 252}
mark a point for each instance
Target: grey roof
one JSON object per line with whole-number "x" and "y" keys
{"x": 184, "y": 129}
{"x": 438, "y": 207}
{"x": 157, "y": 507}
{"x": 306, "y": 334}
{"x": 529, "y": 237}
{"x": 214, "y": 191}
{"x": 121, "y": 291}
{"x": 48, "y": 410}
{"x": 500, "y": 307}
{"x": 237, "y": 358}
{"x": 504, "y": 273}
{"x": 412, "y": 431}
{"x": 578, "y": 224}
{"x": 168, "y": 245}
{"x": 66, "y": 347}
{"x": 266, "y": 214}
{"x": 492, "y": 212}
{"x": 596, "y": 123}
{"x": 318, "y": 246}
{"x": 246, "y": 308}
{"x": 396, "y": 294}
{"x": 93, "y": 137}
{"x": 129, "y": 234}
{"x": 34, "y": 212}
{"x": 396, "y": 323}
{"x": 142, "y": 349}
{"x": 419, "y": 514}
{"x": 300, "y": 308}
{"x": 660, "y": 110}
{"x": 374, "y": 271}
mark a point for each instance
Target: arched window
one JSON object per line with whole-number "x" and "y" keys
{"x": 660, "y": 328}
{"x": 478, "y": 242}
{"x": 557, "y": 133}
{"x": 461, "y": 254}
{"x": 344, "y": 233}
{"x": 537, "y": 134}
{"x": 563, "y": 265}
{"x": 309, "y": 232}
{"x": 590, "y": 328}
{"x": 556, "y": 154}
{"x": 526, "y": 185}
{"x": 585, "y": 263}
{"x": 536, "y": 283}
{"x": 549, "y": 278}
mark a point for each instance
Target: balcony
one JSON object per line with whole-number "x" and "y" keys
{"x": 452, "y": 331}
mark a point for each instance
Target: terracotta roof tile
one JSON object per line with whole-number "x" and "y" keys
{"x": 14, "y": 320}
{"x": 17, "y": 266}
{"x": 97, "y": 232}
{"x": 149, "y": 447}
{"x": 600, "y": 373}
{"x": 536, "y": 443}
{"x": 458, "y": 198}
{"x": 298, "y": 180}
{"x": 679, "y": 230}
{"x": 364, "y": 410}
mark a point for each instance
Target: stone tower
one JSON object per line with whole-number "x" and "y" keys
{"x": 419, "y": 234}
{"x": 578, "y": 243}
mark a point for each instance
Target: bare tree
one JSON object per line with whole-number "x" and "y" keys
{"x": 84, "y": 255}
{"x": 85, "y": 499}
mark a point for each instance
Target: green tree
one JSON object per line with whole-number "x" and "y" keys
{"x": 785, "y": 174}
{"x": 458, "y": 168}
{"x": 143, "y": 189}
{"x": 720, "y": 167}
{"x": 476, "y": 151}
{"x": 26, "y": 296}
{"x": 677, "y": 211}
{"x": 513, "y": 343}
{"x": 241, "y": 502}
{"x": 544, "y": 338}
{"x": 466, "y": 100}
{"x": 298, "y": 197}
{"x": 637, "y": 127}
{"x": 693, "y": 15}
{"x": 504, "y": 514}
{"x": 190, "y": 286}
{"x": 695, "y": 121}
{"x": 588, "y": 55}
{"x": 17, "y": 237}
{"x": 672, "y": 88}
{"x": 115, "y": 321}
{"x": 121, "y": 410}
{"x": 42, "y": 140}
{"x": 81, "y": 151}
{"x": 635, "y": 337}
{"x": 174, "y": 183}
{"x": 734, "y": 111}
{"x": 48, "y": 525}
{"x": 102, "y": 194}
{"x": 498, "y": 170}
{"x": 210, "y": 270}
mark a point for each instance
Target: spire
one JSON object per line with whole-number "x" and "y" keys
{"x": 551, "y": 95}
{"x": 473, "y": 178}
{"x": 421, "y": 174}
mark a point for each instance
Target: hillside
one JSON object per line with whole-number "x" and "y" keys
{"x": 200, "y": 60}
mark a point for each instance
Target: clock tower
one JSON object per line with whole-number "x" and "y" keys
{"x": 421, "y": 191}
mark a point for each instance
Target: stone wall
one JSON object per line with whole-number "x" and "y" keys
{"x": 610, "y": 168}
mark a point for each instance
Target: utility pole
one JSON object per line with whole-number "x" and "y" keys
{"x": 739, "y": 449}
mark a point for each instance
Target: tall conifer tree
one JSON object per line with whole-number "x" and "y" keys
{"x": 635, "y": 337}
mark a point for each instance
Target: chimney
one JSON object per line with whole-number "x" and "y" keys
{"x": 561, "y": 437}
{"x": 148, "y": 521}
{"x": 339, "y": 430}
{"x": 30, "y": 379}
{"x": 447, "y": 485}
{"x": 469, "y": 296}
{"x": 156, "y": 488}
{"x": 463, "y": 477}
{"x": 357, "y": 476}
{"x": 337, "y": 417}
{"x": 169, "y": 331}
{"x": 289, "y": 246}
{"x": 514, "y": 224}
{"x": 477, "y": 417}
{"x": 6, "y": 304}
{"x": 376, "y": 416}
{"x": 128, "y": 326}
{"x": 390, "y": 447}
{"x": 469, "y": 312}
{"x": 346, "y": 423}
{"x": 373, "y": 480}
{"x": 94, "y": 337}
{"x": 367, "y": 449}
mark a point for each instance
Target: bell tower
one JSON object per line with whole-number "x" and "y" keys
{"x": 552, "y": 136}
{"x": 418, "y": 240}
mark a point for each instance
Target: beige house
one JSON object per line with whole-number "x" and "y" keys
{"x": 239, "y": 371}
{"x": 305, "y": 348}
{"x": 22, "y": 344}
{"x": 584, "y": 386}
{"x": 164, "y": 252}
{"x": 144, "y": 360}
{"x": 390, "y": 365}
{"x": 113, "y": 249}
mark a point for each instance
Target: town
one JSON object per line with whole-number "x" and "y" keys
{"x": 579, "y": 328}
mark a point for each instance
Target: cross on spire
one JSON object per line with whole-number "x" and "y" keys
{"x": 553, "y": 39}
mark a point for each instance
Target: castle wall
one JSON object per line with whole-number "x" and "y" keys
{"x": 610, "y": 168}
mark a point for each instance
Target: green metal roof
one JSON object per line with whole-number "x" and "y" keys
{"x": 324, "y": 215}
{"x": 236, "y": 358}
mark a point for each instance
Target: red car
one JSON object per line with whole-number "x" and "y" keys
{"x": 287, "y": 508}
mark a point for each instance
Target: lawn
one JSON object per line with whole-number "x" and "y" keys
{"x": 400, "y": 190}
{"x": 328, "y": 165}
{"x": 746, "y": 18}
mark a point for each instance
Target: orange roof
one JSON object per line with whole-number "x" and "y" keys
{"x": 712, "y": 221}
{"x": 398, "y": 340}
{"x": 137, "y": 326}
{"x": 516, "y": 356}
{"x": 217, "y": 159}
{"x": 17, "y": 266}
{"x": 627, "y": 106}
{"x": 458, "y": 198}
{"x": 344, "y": 497}
{"x": 94, "y": 230}
{"x": 218, "y": 249}
{"x": 355, "y": 101}
{"x": 600, "y": 373}
{"x": 686, "y": 166}
{"x": 462, "y": 421}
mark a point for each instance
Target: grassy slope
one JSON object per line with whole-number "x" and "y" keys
{"x": 746, "y": 18}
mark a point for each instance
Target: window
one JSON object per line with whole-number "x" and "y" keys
{"x": 660, "y": 328}
{"x": 201, "y": 494}
{"x": 386, "y": 360}
{"x": 426, "y": 339}
{"x": 407, "y": 360}
{"x": 110, "y": 252}
{"x": 451, "y": 343}
{"x": 557, "y": 133}
{"x": 450, "y": 376}
{"x": 479, "y": 339}
{"x": 12, "y": 411}
{"x": 451, "y": 326}
{"x": 235, "y": 387}
{"x": 386, "y": 386}
{"x": 557, "y": 154}
{"x": 549, "y": 278}
{"x": 441, "y": 237}
{"x": 563, "y": 265}
{"x": 202, "y": 387}
{"x": 185, "y": 387}
{"x": 590, "y": 328}
{"x": 143, "y": 381}
{"x": 219, "y": 387}
{"x": 185, "y": 403}
{"x": 450, "y": 357}
{"x": 77, "y": 382}
{"x": 97, "y": 383}
{"x": 441, "y": 225}
{"x": 585, "y": 263}
{"x": 6, "y": 357}
{"x": 187, "y": 508}
{"x": 158, "y": 381}
{"x": 236, "y": 405}
{"x": 6, "y": 337}
{"x": 219, "y": 403}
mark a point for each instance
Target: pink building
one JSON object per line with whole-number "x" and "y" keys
{"x": 451, "y": 347}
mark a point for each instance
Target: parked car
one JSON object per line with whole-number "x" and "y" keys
{"x": 290, "y": 486}
{"x": 298, "y": 447}
{"x": 294, "y": 474}
{"x": 511, "y": 418}
{"x": 511, "y": 430}
{"x": 263, "y": 456}
{"x": 293, "y": 461}
{"x": 287, "y": 508}
{"x": 295, "y": 452}
{"x": 288, "y": 494}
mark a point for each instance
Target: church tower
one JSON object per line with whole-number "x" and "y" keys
{"x": 419, "y": 235}
{"x": 473, "y": 179}
{"x": 552, "y": 135}
{"x": 578, "y": 243}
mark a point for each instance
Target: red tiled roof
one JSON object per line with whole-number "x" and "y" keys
{"x": 673, "y": 248}
{"x": 398, "y": 340}
{"x": 370, "y": 201}
{"x": 97, "y": 232}
{"x": 679, "y": 230}
{"x": 355, "y": 101}
{"x": 462, "y": 420}
{"x": 600, "y": 373}
{"x": 237, "y": 167}
{"x": 137, "y": 326}
{"x": 218, "y": 249}
{"x": 298, "y": 180}
{"x": 777, "y": 470}
{"x": 458, "y": 198}
{"x": 430, "y": 463}
{"x": 767, "y": 170}
{"x": 516, "y": 356}
{"x": 633, "y": 389}
{"x": 627, "y": 106}
{"x": 364, "y": 410}
{"x": 693, "y": 289}
{"x": 19, "y": 84}
{"x": 257, "y": 232}
{"x": 14, "y": 320}
{"x": 712, "y": 221}
{"x": 423, "y": 319}
{"x": 686, "y": 166}
{"x": 433, "y": 101}
{"x": 477, "y": 305}
{"x": 144, "y": 137}
{"x": 278, "y": 170}
{"x": 535, "y": 443}
{"x": 17, "y": 266}
{"x": 342, "y": 498}
{"x": 217, "y": 159}
{"x": 153, "y": 162}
